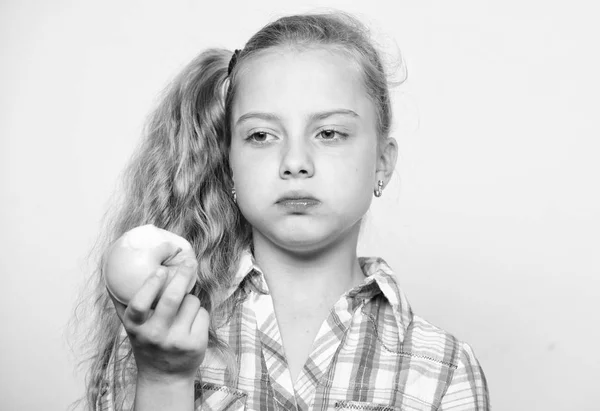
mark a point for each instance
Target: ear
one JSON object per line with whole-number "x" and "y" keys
{"x": 387, "y": 155}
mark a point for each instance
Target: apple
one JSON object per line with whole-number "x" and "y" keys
{"x": 138, "y": 253}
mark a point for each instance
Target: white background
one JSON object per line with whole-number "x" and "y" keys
{"x": 492, "y": 221}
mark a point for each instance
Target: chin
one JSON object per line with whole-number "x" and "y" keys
{"x": 305, "y": 249}
{"x": 302, "y": 242}
{"x": 302, "y": 234}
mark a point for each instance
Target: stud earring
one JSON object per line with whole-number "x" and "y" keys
{"x": 379, "y": 190}
{"x": 233, "y": 194}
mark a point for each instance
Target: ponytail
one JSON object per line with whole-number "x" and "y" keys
{"x": 179, "y": 180}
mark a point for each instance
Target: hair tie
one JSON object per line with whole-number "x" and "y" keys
{"x": 233, "y": 60}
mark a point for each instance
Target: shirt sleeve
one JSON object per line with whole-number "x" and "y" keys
{"x": 117, "y": 385}
{"x": 468, "y": 389}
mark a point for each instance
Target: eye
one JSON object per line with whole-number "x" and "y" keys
{"x": 331, "y": 134}
{"x": 327, "y": 134}
{"x": 260, "y": 137}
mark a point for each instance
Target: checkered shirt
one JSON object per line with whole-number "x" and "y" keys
{"x": 372, "y": 353}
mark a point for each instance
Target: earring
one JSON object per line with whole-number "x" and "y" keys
{"x": 379, "y": 190}
{"x": 233, "y": 194}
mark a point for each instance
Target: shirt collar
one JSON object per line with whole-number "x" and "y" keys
{"x": 382, "y": 279}
{"x": 379, "y": 279}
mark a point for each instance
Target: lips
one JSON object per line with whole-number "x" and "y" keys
{"x": 298, "y": 202}
{"x": 297, "y": 197}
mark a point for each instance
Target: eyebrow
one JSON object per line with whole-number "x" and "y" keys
{"x": 322, "y": 115}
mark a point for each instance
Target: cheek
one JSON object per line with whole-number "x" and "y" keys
{"x": 355, "y": 175}
{"x": 250, "y": 173}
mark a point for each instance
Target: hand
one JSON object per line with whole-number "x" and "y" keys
{"x": 170, "y": 341}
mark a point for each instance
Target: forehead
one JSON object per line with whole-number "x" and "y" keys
{"x": 290, "y": 81}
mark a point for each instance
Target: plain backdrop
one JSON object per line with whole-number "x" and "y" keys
{"x": 491, "y": 221}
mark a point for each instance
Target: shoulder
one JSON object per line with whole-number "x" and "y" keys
{"x": 450, "y": 362}
{"x": 429, "y": 341}
{"x": 423, "y": 339}
{"x": 419, "y": 338}
{"x": 464, "y": 380}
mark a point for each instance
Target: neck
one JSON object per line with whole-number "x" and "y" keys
{"x": 316, "y": 278}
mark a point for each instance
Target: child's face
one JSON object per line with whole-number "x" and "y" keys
{"x": 303, "y": 126}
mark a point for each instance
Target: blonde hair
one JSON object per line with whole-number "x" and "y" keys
{"x": 179, "y": 178}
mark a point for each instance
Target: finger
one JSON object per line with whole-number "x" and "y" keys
{"x": 200, "y": 327}
{"x": 139, "y": 307}
{"x": 171, "y": 299}
{"x": 186, "y": 315}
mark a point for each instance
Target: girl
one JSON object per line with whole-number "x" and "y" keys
{"x": 266, "y": 162}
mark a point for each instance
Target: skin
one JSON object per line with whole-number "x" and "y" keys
{"x": 302, "y": 120}
{"x": 277, "y": 147}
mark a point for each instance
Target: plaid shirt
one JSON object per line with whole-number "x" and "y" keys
{"x": 372, "y": 353}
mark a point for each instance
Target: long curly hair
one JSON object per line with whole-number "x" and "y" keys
{"x": 179, "y": 178}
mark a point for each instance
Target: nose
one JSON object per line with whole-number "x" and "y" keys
{"x": 296, "y": 161}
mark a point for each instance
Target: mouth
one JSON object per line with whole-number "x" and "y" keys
{"x": 297, "y": 201}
